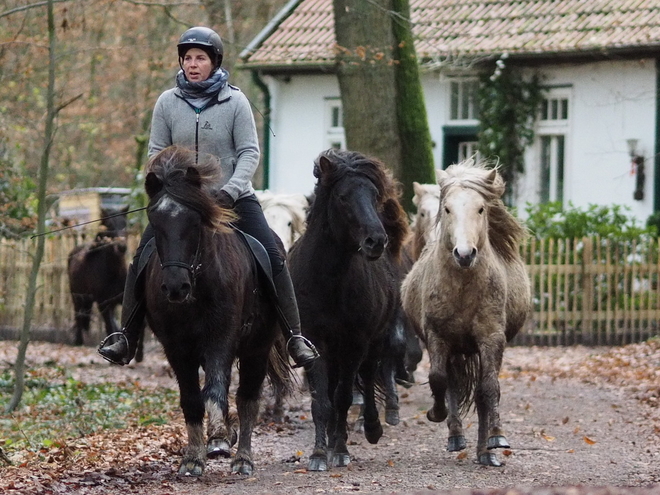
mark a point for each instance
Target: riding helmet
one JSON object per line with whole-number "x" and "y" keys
{"x": 206, "y": 39}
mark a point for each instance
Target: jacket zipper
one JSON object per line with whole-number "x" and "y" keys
{"x": 197, "y": 112}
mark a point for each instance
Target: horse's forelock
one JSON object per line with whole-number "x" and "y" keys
{"x": 505, "y": 231}
{"x": 172, "y": 166}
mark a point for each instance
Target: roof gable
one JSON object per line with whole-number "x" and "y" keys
{"x": 447, "y": 29}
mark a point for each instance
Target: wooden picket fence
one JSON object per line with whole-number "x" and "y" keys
{"x": 53, "y": 312}
{"x": 587, "y": 291}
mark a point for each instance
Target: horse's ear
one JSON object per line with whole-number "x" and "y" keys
{"x": 152, "y": 184}
{"x": 441, "y": 175}
{"x": 192, "y": 175}
{"x": 323, "y": 167}
{"x": 490, "y": 178}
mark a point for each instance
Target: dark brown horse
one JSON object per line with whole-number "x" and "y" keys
{"x": 97, "y": 274}
{"x": 206, "y": 305}
{"x": 345, "y": 271}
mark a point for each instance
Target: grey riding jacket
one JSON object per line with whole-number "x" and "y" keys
{"x": 224, "y": 127}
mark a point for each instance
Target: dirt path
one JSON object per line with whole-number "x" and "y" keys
{"x": 566, "y": 429}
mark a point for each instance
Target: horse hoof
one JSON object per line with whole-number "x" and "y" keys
{"x": 456, "y": 443}
{"x": 317, "y": 463}
{"x": 341, "y": 460}
{"x": 489, "y": 459}
{"x": 498, "y": 442}
{"x": 435, "y": 416}
{"x": 218, "y": 447}
{"x": 392, "y": 416}
{"x": 242, "y": 466}
{"x": 373, "y": 432}
{"x": 191, "y": 468}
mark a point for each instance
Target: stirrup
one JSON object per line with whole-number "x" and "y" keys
{"x": 309, "y": 345}
{"x": 103, "y": 342}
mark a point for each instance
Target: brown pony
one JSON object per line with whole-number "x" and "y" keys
{"x": 208, "y": 306}
{"x": 470, "y": 294}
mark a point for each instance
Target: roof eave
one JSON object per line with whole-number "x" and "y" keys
{"x": 326, "y": 67}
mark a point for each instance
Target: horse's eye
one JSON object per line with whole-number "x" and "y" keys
{"x": 446, "y": 210}
{"x": 481, "y": 210}
{"x": 422, "y": 214}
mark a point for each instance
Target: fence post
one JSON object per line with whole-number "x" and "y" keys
{"x": 588, "y": 294}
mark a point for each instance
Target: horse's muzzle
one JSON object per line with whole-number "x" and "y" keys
{"x": 465, "y": 261}
{"x": 373, "y": 247}
{"x": 176, "y": 287}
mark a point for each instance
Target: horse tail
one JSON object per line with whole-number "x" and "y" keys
{"x": 463, "y": 373}
{"x": 279, "y": 372}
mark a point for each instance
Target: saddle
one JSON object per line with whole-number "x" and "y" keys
{"x": 259, "y": 254}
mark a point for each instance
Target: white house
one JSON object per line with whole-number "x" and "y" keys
{"x": 600, "y": 65}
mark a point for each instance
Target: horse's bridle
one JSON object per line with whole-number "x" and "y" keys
{"x": 194, "y": 267}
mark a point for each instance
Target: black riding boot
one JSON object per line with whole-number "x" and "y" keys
{"x": 300, "y": 349}
{"x": 123, "y": 349}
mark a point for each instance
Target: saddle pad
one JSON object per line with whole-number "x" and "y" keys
{"x": 256, "y": 248}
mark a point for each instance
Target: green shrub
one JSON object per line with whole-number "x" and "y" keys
{"x": 552, "y": 221}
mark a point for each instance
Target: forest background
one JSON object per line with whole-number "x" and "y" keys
{"x": 113, "y": 59}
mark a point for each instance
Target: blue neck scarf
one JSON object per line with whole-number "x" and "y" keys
{"x": 204, "y": 89}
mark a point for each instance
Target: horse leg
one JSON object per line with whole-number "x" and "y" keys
{"x": 317, "y": 377}
{"x": 108, "y": 313}
{"x": 438, "y": 355}
{"x": 222, "y": 431}
{"x": 82, "y": 306}
{"x": 342, "y": 401}
{"x": 388, "y": 374}
{"x": 251, "y": 378}
{"x": 139, "y": 351}
{"x": 491, "y": 435}
{"x": 456, "y": 440}
{"x": 373, "y": 430}
{"x": 186, "y": 371}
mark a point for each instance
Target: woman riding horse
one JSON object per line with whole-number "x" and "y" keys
{"x": 208, "y": 115}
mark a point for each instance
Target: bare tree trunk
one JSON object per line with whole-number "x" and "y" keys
{"x": 367, "y": 78}
{"x": 19, "y": 366}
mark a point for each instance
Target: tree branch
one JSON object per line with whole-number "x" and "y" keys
{"x": 27, "y": 7}
{"x": 67, "y": 103}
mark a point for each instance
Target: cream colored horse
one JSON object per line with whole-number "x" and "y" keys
{"x": 427, "y": 201}
{"x": 285, "y": 214}
{"x": 469, "y": 293}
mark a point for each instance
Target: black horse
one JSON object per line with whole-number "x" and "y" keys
{"x": 97, "y": 274}
{"x": 206, "y": 305}
{"x": 346, "y": 274}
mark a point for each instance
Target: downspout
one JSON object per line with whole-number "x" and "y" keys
{"x": 656, "y": 159}
{"x": 256, "y": 78}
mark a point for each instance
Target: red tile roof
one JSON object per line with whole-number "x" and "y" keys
{"x": 303, "y": 33}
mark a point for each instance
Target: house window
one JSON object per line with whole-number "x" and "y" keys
{"x": 552, "y": 168}
{"x": 468, "y": 149}
{"x": 553, "y": 127}
{"x": 554, "y": 109}
{"x": 334, "y": 124}
{"x": 464, "y": 104}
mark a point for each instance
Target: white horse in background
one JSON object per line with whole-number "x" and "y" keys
{"x": 427, "y": 201}
{"x": 286, "y": 214}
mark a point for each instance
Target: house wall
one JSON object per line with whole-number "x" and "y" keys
{"x": 298, "y": 121}
{"x": 609, "y": 103}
